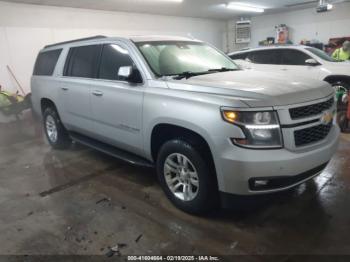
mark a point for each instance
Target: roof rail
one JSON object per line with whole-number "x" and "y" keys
{"x": 77, "y": 40}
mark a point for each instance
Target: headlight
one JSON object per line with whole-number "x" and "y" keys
{"x": 261, "y": 129}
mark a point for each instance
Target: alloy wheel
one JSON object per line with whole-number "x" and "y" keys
{"x": 51, "y": 129}
{"x": 181, "y": 177}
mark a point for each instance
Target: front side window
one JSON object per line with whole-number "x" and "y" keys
{"x": 170, "y": 58}
{"x": 83, "y": 61}
{"x": 294, "y": 57}
{"x": 113, "y": 57}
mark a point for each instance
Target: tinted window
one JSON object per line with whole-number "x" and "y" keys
{"x": 46, "y": 62}
{"x": 113, "y": 57}
{"x": 239, "y": 56}
{"x": 270, "y": 57}
{"x": 294, "y": 57}
{"x": 82, "y": 61}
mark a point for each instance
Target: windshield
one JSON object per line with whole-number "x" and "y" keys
{"x": 321, "y": 54}
{"x": 173, "y": 58}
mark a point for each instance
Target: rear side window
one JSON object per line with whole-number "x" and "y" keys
{"x": 46, "y": 62}
{"x": 239, "y": 56}
{"x": 269, "y": 57}
{"x": 82, "y": 61}
{"x": 113, "y": 57}
{"x": 294, "y": 57}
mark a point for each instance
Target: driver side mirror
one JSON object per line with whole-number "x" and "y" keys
{"x": 130, "y": 74}
{"x": 311, "y": 62}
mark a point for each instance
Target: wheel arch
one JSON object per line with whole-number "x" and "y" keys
{"x": 45, "y": 103}
{"x": 163, "y": 132}
{"x": 338, "y": 78}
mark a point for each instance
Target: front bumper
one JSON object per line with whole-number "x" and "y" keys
{"x": 238, "y": 167}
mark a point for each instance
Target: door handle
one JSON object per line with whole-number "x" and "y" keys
{"x": 284, "y": 69}
{"x": 97, "y": 93}
{"x": 65, "y": 88}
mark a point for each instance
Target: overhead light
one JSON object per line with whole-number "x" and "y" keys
{"x": 168, "y": 1}
{"x": 245, "y": 7}
{"x": 120, "y": 49}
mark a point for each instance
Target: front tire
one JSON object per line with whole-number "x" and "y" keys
{"x": 186, "y": 177}
{"x": 56, "y": 134}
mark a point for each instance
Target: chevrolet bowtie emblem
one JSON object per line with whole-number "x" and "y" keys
{"x": 326, "y": 118}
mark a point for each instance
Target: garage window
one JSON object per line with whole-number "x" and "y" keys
{"x": 113, "y": 57}
{"x": 82, "y": 61}
{"x": 46, "y": 62}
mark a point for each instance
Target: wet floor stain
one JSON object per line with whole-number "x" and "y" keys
{"x": 76, "y": 182}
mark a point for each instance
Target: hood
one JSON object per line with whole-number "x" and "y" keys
{"x": 256, "y": 89}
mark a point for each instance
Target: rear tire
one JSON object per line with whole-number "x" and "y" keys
{"x": 56, "y": 134}
{"x": 186, "y": 178}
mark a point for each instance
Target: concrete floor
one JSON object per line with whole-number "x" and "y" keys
{"x": 82, "y": 202}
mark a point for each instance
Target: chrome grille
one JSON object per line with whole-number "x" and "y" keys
{"x": 310, "y": 110}
{"x": 310, "y": 135}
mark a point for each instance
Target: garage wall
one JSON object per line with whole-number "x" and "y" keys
{"x": 25, "y": 29}
{"x": 303, "y": 24}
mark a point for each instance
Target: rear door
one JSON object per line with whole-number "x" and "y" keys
{"x": 294, "y": 63}
{"x": 76, "y": 85}
{"x": 117, "y": 104}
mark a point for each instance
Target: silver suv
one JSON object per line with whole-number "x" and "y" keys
{"x": 210, "y": 129}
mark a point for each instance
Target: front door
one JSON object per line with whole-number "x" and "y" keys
{"x": 117, "y": 104}
{"x": 294, "y": 63}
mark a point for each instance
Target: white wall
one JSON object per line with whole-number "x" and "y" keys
{"x": 25, "y": 29}
{"x": 303, "y": 24}
{"x": 231, "y": 36}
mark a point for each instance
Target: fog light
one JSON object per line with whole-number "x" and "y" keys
{"x": 260, "y": 183}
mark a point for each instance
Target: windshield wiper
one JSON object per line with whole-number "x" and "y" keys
{"x": 222, "y": 69}
{"x": 189, "y": 74}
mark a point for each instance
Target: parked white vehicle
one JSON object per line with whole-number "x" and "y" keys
{"x": 303, "y": 61}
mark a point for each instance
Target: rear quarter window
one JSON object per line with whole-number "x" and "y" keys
{"x": 46, "y": 62}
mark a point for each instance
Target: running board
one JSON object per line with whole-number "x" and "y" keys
{"x": 111, "y": 150}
